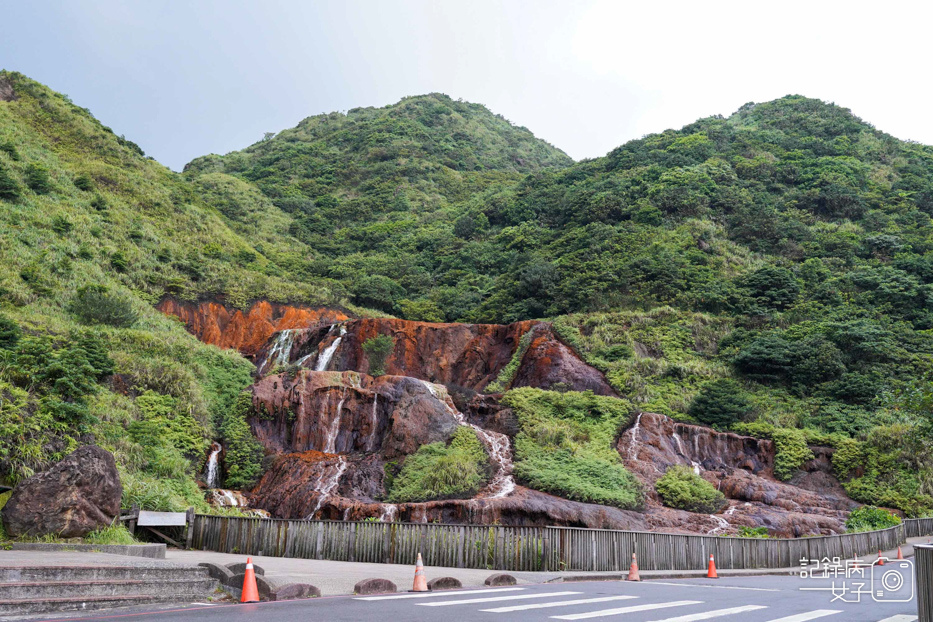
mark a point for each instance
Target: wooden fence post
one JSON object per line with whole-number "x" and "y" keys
{"x": 189, "y": 533}
{"x": 134, "y": 511}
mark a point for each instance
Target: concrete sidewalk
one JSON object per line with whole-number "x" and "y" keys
{"x": 338, "y": 578}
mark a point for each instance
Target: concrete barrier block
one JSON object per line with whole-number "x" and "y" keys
{"x": 444, "y": 583}
{"x": 500, "y": 579}
{"x": 295, "y": 591}
{"x": 216, "y": 571}
{"x": 374, "y": 586}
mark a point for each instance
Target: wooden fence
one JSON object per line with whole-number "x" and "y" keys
{"x": 527, "y": 548}
{"x": 918, "y": 527}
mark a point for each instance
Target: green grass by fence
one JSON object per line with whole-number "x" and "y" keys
{"x": 528, "y": 548}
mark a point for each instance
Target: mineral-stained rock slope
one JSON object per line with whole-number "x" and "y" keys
{"x": 329, "y": 428}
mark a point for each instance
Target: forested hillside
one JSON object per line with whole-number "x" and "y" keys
{"x": 770, "y": 273}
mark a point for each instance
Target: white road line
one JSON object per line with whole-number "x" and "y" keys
{"x": 714, "y": 587}
{"x": 810, "y": 615}
{"x": 470, "y": 601}
{"x": 706, "y": 615}
{"x": 557, "y": 603}
{"x": 900, "y": 618}
{"x": 621, "y": 610}
{"x": 436, "y": 594}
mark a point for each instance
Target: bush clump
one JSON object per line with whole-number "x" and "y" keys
{"x": 377, "y": 350}
{"x": 682, "y": 489}
{"x": 9, "y": 188}
{"x": 870, "y": 518}
{"x": 243, "y": 461}
{"x": 37, "y": 178}
{"x": 94, "y": 304}
{"x": 720, "y": 403}
{"x": 565, "y": 446}
{"x": 454, "y": 470}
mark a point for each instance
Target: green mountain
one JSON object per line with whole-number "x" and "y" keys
{"x": 770, "y": 272}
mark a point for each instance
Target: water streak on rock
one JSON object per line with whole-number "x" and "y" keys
{"x": 212, "y": 477}
{"x": 328, "y": 353}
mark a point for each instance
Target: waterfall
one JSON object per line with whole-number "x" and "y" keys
{"x": 723, "y": 525}
{"x": 389, "y": 512}
{"x": 330, "y": 441}
{"x": 633, "y": 448}
{"x": 281, "y": 350}
{"x": 325, "y": 487}
{"x": 498, "y": 445}
{"x": 680, "y": 450}
{"x": 328, "y": 353}
{"x": 213, "y": 465}
{"x": 228, "y": 498}
{"x": 374, "y": 423}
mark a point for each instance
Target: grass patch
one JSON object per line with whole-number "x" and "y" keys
{"x": 565, "y": 446}
{"x": 453, "y": 470}
{"x": 115, "y": 534}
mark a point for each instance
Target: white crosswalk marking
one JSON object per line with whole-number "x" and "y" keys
{"x": 707, "y": 615}
{"x": 810, "y": 615}
{"x": 557, "y": 603}
{"x": 614, "y": 612}
{"x": 470, "y": 601}
{"x": 900, "y": 618}
{"x": 436, "y": 594}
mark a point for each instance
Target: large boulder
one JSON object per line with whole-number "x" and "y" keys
{"x": 73, "y": 498}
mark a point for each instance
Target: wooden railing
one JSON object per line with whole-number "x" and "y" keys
{"x": 526, "y": 548}
{"x": 918, "y": 527}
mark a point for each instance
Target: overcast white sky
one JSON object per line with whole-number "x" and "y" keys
{"x": 185, "y": 78}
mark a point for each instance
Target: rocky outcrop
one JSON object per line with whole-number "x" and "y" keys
{"x": 348, "y": 412}
{"x": 73, "y": 498}
{"x": 741, "y": 467}
{"x": 463, "y": 357}
{"x": 217, "y": 324}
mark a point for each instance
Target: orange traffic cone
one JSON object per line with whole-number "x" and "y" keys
{"x": 250, "y": 591}
{"x": 421, "y": 584}
{"x": 633, "y": 570}
{"x": 711, "y": 573}
{"x": 899, "y": 554}
{"x": 880, "y": 558}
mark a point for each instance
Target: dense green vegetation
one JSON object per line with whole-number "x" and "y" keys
{"x": 869, "y": 518}
{"x": 770, "y": 272}
{"x": 565, "y": 446}
{"x": 683, "y": 489}
{"x": 456, "y": 469}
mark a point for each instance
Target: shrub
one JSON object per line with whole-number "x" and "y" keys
{"x": 119, "y": 262}
{"x": 791, "y": 451}
{"x": 377, "y": 350}
{"x": 720, "y": 403}
{"x": 243, "y": 460}
{"x": 9, "y": 333}
{"x": 99, "y": 203}
{"x": 84, "y": 182}
{"x": 870, "y": 518}
{"x": 9, "y": 188}
{"x": 9, "y": 148}
{"x": 443, "y": 471}
{"x": 93, "y": 304}
{"x": 115, "y": 534}
{"x": 753, "y": 532}
{"x": 37, "y": 178}
{"x": 61, "y": 225}
{"x": 682, "y": 489}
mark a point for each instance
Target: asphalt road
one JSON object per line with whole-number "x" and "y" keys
{"x": 745, "y": 599}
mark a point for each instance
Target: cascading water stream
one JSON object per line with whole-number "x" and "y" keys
{"x": 389, "y": 512}
{"x": 680, "y": 450}
{"x": 213, "y": 466}
{"x": 330, "y": 442}
{"x": 498, "y": 445}
{"x": 633, "y": 447}
{"x": 326, "y": 486}
{"x": 281, "y": 350}
{"x": 374, "y": 423}
{"x": 328, "y": 353}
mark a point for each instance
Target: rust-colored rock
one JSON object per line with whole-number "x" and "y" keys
{"x": 225, "y": 327}
{"x": 347, "y": 412}
{"x": 463, "y": 357}
{"x": 73, "y": 498}
{"x": 741, "y": 467}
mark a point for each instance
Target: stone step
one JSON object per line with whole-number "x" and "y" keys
{"x": 26, "y": 590}
{"x": 50, "y": 605}
{"x": 18, "y": 574}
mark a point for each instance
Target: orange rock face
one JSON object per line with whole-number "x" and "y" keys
{"x": 222, "y": 326}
